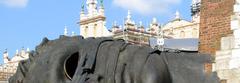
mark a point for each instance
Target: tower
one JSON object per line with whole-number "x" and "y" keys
{"x": 65, "y": 31}
{"x": 92, "y": 7}
{"x": 177, "y": 15}
{"x": 129, "y": 23}
{"x": 115, "y": 27}
{"x": 129, "y": 18}
{"x": 5, "y": 56}
{"x": 22, "y": 53}
{"x": 92, "y": 23}
{"x": 154, "y": 27}
{"x": 195, "y": 10}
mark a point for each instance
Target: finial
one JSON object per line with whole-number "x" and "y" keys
{"x": 154, "y": 21}
{"x": 28, "y": 50}
{"x": 194, "y": 1}
{"x": 82, "y": 7}
{"x": 115, "y": 23}
{"x": 17, "y": 51}
{"x": 22, "y": 48}
{"x": 160, "y": 26}
{"x": 120, "y": 27}
{"x": 177, "y": 15}
{"x": 101, "y": 1}
{"x": 140, "y": 24}
{"x": 73, "y": 33}
{"x": 129, "y": 15}
{"x": 6, "y": 50}
{"x": 128, "y": 19}
{"x": 65, "y": 31}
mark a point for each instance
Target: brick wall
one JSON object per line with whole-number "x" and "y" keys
{"x": 214, "y": 23}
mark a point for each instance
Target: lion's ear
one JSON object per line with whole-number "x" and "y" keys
{"x": 44, "y": 41}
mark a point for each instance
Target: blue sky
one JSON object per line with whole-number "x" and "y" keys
{"x": 23, "y": 23}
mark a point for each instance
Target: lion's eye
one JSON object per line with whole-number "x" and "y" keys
{"x": 70, "y": 65}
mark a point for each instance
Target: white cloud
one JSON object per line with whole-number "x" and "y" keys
{"x": 14, "y": 3}
{"x": 147, "y": 7}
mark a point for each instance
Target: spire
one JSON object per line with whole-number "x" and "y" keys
{"x": 115, "y": 26}
{"x": 73, "y": 33}
{"x": 91, "y": 2}
{"x": 6, "y": 51}
{"x": 28, "y": 50}
{"x": 120, "y": 27}
{"x": 115, "y": 23}
{"x": 129, "y": 15}
{"x": 17, "y": 52}
{"x": 177, "y": 15}
{"x": 140, "y": 24}
{"x": 92, "y": 7}
{"x": 5, "y": 56}
{"x": 101, "y": 9}
{"x": 129, "y": 18}
{"x": 141, "y": 27}
{"x": 22, "y": 48}
{"x": 82, "y": 8}
{"x": 154, "y": 21}
{"x": 195, "y": 7}
{"x": 101, "y": 3}
{"x": 194, "y": 2}
{"x": 82, "y": 13}
{"x": 65, "y": 31}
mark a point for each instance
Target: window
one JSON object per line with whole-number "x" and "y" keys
{"x": 86, "y": 31}
{"x": 95, "y": 30}
{"x": 182, "y": 34}
{"x": 195, "y": 33}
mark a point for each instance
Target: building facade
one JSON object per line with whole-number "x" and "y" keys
{"x": 9, "y": 67}
{"x": 180, "y": 29}
{"x": 92, "y": 23}
{"x": 136, "y": 34}
{"x": 175, "y": 29}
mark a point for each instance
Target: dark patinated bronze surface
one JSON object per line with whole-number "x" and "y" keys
{"x": 107, "y": 60}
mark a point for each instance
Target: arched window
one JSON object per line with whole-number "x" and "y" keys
{"x": 95, "y": 30}
{"x": 182, "y": 34}
{"x": 195, "y": 32}
{"x": 86, "y": 31}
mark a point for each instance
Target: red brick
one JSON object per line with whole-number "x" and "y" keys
{"x": 214, "y": 23}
